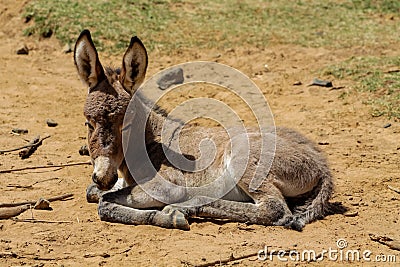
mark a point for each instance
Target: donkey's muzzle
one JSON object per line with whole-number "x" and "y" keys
{"x": 105, "y": 173}
{"x": 104, "y": 185}
{"x": 94, "y": 178}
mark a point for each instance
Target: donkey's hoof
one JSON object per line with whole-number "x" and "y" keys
{"x": 291, "y": 222}
{"x": 178, "y": 217}
{"x": 179, "y": 221}
{"x": 93, "y": 194}
{"x": 296, "y": 224}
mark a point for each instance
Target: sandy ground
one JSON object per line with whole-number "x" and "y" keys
{"x": 364, "y": 157}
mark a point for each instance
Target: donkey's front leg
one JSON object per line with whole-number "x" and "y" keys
{"x": 93, "y": 193}
{"x": 117, "y": 207}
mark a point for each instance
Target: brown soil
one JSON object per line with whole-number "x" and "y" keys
{"x": 363, "y": 155}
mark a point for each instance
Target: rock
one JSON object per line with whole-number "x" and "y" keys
{"x": 23, "y": 50}
{"x": 51, "y": 123}
{"x": 351, "y": 213}
{"x": 67, "y": 49}
{"x": 323, "y": 143}
{"x": 42, "y": 204}
{"x": 387, "y": 125}
{"x": 28, "y": 18}
{"x": 174, "y": 76}
{"x": 84, "y": 151}
{"x": 48, "y": 33}
{"x": 322, "y": 83}
{"x": 19, "y": 131}
{"x": 297, "y": 83}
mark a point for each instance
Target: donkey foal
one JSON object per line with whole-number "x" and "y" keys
{"x": 295, "y": 191}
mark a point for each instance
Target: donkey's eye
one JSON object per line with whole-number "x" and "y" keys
{"x": 89, "y": 125}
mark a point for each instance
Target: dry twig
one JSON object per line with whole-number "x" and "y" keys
{"x": 224, "y": 261}
{"x": 9, "y": 212}
{"x": 394, "y": 189}
{"x": 31, "y": 185}
{"x": 25, "y": 146}
{"x": 32, "y": 257}
{"x": 391, "y": 243}
{"x": 51, "y": 199}
{"x": 46, "y": 167}
{"x": 233, "y": 258}
{"x": 32, "y": 146}
{"x": 39, "y": 221}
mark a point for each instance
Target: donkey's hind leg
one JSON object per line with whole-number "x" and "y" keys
{"x": 117, "y": 207}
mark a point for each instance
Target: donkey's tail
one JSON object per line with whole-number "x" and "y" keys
{"x": 316, "y": 206}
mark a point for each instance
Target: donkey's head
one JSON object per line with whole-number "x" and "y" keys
{"x": 109, "y": 94}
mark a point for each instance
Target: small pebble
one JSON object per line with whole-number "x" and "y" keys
{"x": 48, "y": 33}
{"x": 51, "y": 123}
{"x": 297, "y": 83}
{"x": 84, "y": 151}
{"x": 323, "y": 143}
{"x": 42, "y": 204}
{"x": 23, "y": 50}
{"x": 387, "y": 125}
{"x": 323, "y": 83}
{"x": 19, "y": 131}
{"x": 351, "y": 213}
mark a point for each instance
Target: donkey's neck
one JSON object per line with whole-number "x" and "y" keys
{"x": 157, "y": 119}
{"x": 154, "y": 127}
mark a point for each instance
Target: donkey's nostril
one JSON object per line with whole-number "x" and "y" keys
{"x": 94, "y": 178}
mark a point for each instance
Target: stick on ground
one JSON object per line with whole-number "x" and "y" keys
{"x": 46, "y": 167}
{"x": 31, "y": 185}
{"x": 385, "y": 240}
{"x": 6, "y": 213}
{"x": 39, "y": 221}
{"x": 51, "y": 199}
{"x": 224, "y": 261}
{"x": 31, "y": 147}
{"x": 394, "y": 189}
{"x": 22, "y": 147}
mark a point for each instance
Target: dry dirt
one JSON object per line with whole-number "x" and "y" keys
{"x": 364, "y": 158}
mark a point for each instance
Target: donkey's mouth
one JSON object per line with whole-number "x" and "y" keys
{"x": 105, "y": 185}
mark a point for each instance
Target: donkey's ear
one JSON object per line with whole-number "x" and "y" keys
{"x": 134, "y": 65}
{"x": 87, "y": 60}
